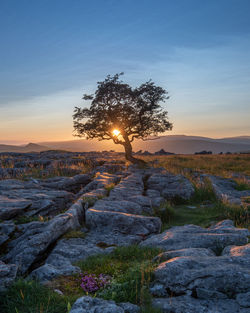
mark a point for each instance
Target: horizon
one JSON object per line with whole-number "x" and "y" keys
{"x": 199, "y": 52}
{"x": 17, "y": 143}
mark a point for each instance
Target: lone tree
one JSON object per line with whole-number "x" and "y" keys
{"x": 122, "y": 113}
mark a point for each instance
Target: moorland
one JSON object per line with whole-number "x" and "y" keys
{"x": 88, "y": 232}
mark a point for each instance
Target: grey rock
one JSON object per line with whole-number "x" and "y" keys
{"x": 37, "y": 237}
{"x": 171, "y": 186}
{"x": 48, "y": 272}
{"x": 99, "y": 182}
{"x": 188, "y": 304}
{"x": 243, "y": 299}
{"x": 130, "y": 186}
{"x": 129, "y": 307}
{"x": 237, "y": 250}
{"x": 203, "y": 293}
{"x": 225, "y": 190}
{"x": 26, "y": 197}
{"x": 158, "y": 290}
{"x": 95, "y": 305}
{"x": 7, "y": 275}
{"x": 119, "y": 206}
{"x": 10, "y": 208}
{"x": 71, "y": 184}
{"x": 6, "y": 229}
{"x": 122, "y": 222}
{"x": 68, "y": 251}
{"x": 193, "y": 252}
{"x": 228, "y": 275}
{"x": 191, "y": 236}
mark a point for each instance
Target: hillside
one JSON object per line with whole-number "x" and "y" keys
{"x": 31, "y": 147}
{"x": 176, "y": 144}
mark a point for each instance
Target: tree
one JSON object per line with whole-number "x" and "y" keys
{"x": 121, "y": 113}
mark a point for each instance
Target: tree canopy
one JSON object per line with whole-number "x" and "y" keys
{"x": 122, "y": 113}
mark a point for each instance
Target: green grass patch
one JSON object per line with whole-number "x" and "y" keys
{"x": 74, "y": 234}
{"x": 203, "y": 193}
{"x": 195, "y": 214}
{"x": 165, "y": 212}
{"x": 131, "y": 271}
{"x": 28, "y": 219}
{"x": 242, "y": 185}
{"x": 239, "y": 214}
{"x": 204, "y": 215}
{"x": 31, "y": 297}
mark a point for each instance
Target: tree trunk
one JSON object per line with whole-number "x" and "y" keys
{"x": 128, "y": 153}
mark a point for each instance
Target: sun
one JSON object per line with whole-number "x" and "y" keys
{"x": 116, "y": 132}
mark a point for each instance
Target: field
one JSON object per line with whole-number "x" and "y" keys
{"x": 127, "y": 271}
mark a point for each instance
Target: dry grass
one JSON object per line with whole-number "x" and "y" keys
{"x": 222, "y": 165}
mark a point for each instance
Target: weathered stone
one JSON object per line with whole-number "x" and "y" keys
{"x": 6, "y": 229}
{"x": 7, "y": 275}
{"x": 193, "y": 252}
{"x": 191, "y": 236}
{"x": 99, "y": 182}
{"x": 30, "y": 246}
{"x": 71, "y": 184}
{"x": 118, "y": 206}
{"x": 243, "y": 299}
{"x": 188, "y": 304}
{"x": 217, "y": 277}
{"x": 171, "y": 186}
{"x": 122, "y": 222}
{"x": 96, "y": 305}
{"x": 29, "y": 198}
{"x": 129, "y": 307}
{"x": 225, "y": 190}
{"x": 10, "y": 208}
{"x": 130, "y": 186}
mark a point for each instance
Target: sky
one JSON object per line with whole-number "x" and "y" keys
{"x": 54, "y": 51}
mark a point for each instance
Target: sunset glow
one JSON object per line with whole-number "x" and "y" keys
{"x": 116, "y": 132}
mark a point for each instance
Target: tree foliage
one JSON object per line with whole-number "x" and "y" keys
{"x": 135, "y": 112}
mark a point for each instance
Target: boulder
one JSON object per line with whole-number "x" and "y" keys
{"x": 6, "y": 229}
{"x": 32, "y": 244}
{"x": 96, "y": 305}
{"x": 122, "y": 222}
{"x": 7, "y": 275}
{"x": 10, "y": 208}
{"x": 188, "y": 304}
{"x": 205, "y": 277}
{"x": 225, "y": 190}
{"x": 171, "y": 186}
{"x": 192, "y": 236}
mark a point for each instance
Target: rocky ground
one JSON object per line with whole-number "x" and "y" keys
{"x": 199, "y": 270}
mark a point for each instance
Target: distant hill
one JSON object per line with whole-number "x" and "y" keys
{"x": 174, "y": 143}
{"x": 31, "y": 147}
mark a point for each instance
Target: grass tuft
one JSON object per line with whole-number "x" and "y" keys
{"x": 31, "y": 297}
{"x": 131, "y": 271}
{"x": 74, "y": 234}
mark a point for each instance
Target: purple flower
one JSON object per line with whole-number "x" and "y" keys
{"x": 91, "y": 283}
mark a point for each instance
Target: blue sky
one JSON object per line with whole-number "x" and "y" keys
{"x": 53, "y": 51}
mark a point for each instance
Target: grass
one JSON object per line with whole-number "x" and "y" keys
{"x": 242, "y": 184}
{"x": 74, "y": 234}
{"x": 222, "y": 165}
{"x": 42, "y": 172}
{"x": 31, "y": 297}
{"x": 205, "y": 215}
{"x": 28, "y": 219}
{"x": 131, "y": 270}
{"x": 109, "y": 187}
